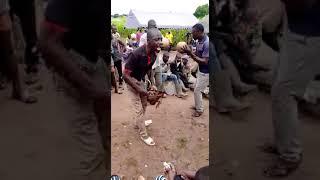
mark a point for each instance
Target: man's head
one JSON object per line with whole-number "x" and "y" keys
{"x": 154, "y": 39}
{"x": 166, "y": 57}
{"x": 185, "y": 59}
{"x": 152, "y": 24}
{"x": 178, "y": 57}
{"x": 113, "y": 29}
{"x": 197, "y": 31}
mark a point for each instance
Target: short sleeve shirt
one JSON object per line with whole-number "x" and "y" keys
{"x": 143, "y": 39}
{"x": 83, "y": 22}
{"x": 202, "y": 51}
{"x": 139, "y": 63}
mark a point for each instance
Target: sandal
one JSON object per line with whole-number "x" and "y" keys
{"x": 197, "y": 114}
{"x": 147, "y": 139}
{"x": 269, "y": 148}
{"x": 281, "y": 168}
{"x": 30, "y": 100}
{"x": 147, "y": 123}
{"x": 26, "y": 99}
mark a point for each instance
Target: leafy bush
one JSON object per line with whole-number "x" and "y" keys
{"x": 178, "y": 35}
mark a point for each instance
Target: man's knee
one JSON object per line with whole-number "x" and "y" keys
{"x": 173, "y": 77}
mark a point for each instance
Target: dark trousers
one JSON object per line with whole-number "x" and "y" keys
{"x": 118, "y": 65}
{"x": 25, "y": 11}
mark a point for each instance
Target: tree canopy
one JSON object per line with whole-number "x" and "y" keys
{"x": 201, "y": 11}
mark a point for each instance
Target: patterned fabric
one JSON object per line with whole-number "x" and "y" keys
{"x": 115, "y": 177}
{"x": 161, "y": 177}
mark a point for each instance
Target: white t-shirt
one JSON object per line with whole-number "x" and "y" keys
{"x": 143, "y": 39}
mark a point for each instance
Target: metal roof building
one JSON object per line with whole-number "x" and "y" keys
{"x": 167, "y": 20}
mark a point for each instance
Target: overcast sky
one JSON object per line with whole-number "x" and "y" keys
{"x": 124, "y": 6}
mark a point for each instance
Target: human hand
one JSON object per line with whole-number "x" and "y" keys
{"x": 187, "y": 49}
{"x": 170, "y": 171}
{"x": 153, "y": 88}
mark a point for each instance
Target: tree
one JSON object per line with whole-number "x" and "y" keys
{"x": 201, "y": 11}
{"x": 116, "y": 15}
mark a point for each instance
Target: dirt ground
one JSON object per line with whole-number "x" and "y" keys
{"x": 236, "y": 139}
{"x": 36, "y": 141}
{"x": 179, "y": 137}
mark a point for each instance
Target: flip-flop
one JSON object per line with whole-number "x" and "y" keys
{"x": 147, "y": 139}
{"x": 148, "y": 122}
{"x": 30, "y": 100}
{"x": 281, "y": 168}
{"x": 197, "y": 114}
{"x": 27, "y": 100}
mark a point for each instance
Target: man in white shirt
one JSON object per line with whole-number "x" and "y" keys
{"x": 143, "y": 38}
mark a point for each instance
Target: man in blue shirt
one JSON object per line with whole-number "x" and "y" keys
{"x": 202, "y": 58}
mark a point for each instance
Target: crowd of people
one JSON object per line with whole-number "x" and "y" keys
{"x": 145, "y": 61}
{"x": 291, "y": 29}
{"x": 154, "y": 64}
{"x": 154, "y": 61}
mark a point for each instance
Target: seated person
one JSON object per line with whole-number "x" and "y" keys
{"x": 176, "y": 67}
{"x": 162, "y": 74}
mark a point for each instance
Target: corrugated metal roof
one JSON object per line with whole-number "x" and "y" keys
{"x": 169, "y": 20}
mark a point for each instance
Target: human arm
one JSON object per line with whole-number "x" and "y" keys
{"x": 52, "y": 33}
{"x": 134, "y": 83}
{"x": 205, "y": 54}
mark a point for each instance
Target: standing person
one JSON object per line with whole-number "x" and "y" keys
{"x": 139, "y": 64}
{"x": 113, "y": 76}
{"x": 170, "y": 37}
{"x": 26, "y": 12}
{"x": 84, "y": 82}
{"x": 298, "y": 65}
{"x": 139, "y": 34}
{"x": 202, "y": 58}
{"x": 8, "y": 59}
{"x": 143, "y": 38}
{"x": 117, "y": 45}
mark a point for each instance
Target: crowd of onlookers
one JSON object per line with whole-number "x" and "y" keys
{"x": 173, "y": 72}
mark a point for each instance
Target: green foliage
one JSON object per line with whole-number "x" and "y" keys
{"x": 201, "y": 11}
{"x": 178, "y": 35}
{"x": 116, "y": 15}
